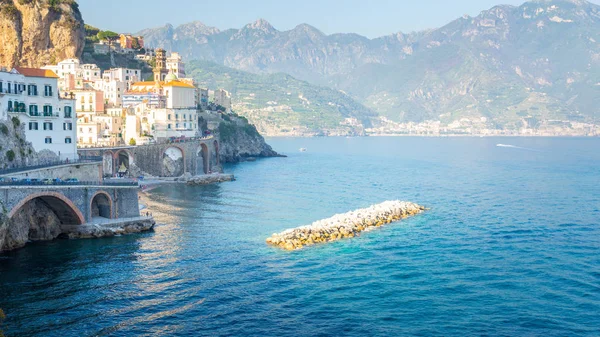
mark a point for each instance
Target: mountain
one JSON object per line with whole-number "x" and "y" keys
{"x": 279, "y": 104}
{"x": 39, "y": 32}
{"x": 508, "y": 67}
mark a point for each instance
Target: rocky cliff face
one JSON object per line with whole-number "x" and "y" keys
{"x": 39, "y": 32}
{"x": 34, "y": 222}
{"x": 239, "y": 140}
{"x": 510, "y": 65}
{"x": 14, "y": 148}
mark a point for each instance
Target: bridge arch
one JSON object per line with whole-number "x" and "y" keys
{"x": 203, "y": 153}
{"x": 173, "y": 161}
{"x": 101, "y": 205}
{"x": 63, "y": 207}
{"x": 123, "y": 157}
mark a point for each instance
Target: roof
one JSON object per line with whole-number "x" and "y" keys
{"x": 179, "y": 84}
{"x": 36, "y": 72}
{"x": 174, "y": 83}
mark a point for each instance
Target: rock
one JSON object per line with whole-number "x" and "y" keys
{"x": 33, "y": 222}
{"x": 210, "y": 179}
{"x": 346, "y": 225}
{"x": 36, "y": 33}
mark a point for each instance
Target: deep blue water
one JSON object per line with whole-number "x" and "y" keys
{"x": 511, "y": 246}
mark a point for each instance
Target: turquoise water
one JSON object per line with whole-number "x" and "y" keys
{"x": 511, "y": 246}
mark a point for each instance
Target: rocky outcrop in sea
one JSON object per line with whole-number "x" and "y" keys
{"x": 347, "y": 225}
{"x": 210, "y": 179}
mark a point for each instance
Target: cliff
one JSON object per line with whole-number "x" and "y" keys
{"x": 14, "y": 148}
{"x": 39, "y": 32}
{"x": 240, "y": 140}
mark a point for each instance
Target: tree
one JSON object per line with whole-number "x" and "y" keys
{"x": 135, "y": 43}
{"x": 108, "y": 35}
{"x": 132, "y": 142}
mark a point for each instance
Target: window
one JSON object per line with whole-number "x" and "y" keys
{"x": 68, "y": 140}
{"x": 169, "y": 126}
{"x": 33, "y": 110}
{"x": 169, "y": 117}
{"x": 33, "y": 125}
{"x": 32, "y": 90}
{"x": 48, "y": 126}
{"x": 1, "y": 87}
{"x": 68, "y": 112}
{"x": 67, "y": 126}
{"x": 48, "y": 140}
{"x": 47, "y": 110}
{"x": 48, "y": 90}
{"x": 10, "y": 105}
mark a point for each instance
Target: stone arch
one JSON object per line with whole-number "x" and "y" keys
{"x": 63, "y": 207}
{"x": 123, "y": 157}
{"x": 173, "y": 161}
{"x": 217, "y": 153}
{"x": 101, "y": 205}
{"x": 204, "y": 156}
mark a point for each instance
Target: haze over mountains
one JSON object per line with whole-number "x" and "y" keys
{"x": 510, "y": 66}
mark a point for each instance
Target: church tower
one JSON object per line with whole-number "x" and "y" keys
{"x": 160, "y": 70}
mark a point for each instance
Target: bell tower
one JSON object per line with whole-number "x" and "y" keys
{"x": 160, "y": 70}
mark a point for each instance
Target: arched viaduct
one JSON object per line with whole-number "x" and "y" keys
{"x": 173, "y": 159}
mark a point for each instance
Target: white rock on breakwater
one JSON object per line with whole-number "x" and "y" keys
{"x": 347, "y": 225}
{"x": 210, "y": 179}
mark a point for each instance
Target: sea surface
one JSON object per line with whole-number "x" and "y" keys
{"x": 510, "y": 247}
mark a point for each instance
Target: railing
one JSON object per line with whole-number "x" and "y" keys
{"x": 82, "y": 160}
{"x": 32, "y": 182}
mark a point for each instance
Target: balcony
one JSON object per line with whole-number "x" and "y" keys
{"x": 43, "y": 114}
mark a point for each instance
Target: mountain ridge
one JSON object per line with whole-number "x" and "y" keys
{"x": 507, "y": 65}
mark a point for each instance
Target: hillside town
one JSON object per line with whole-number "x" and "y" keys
{"x": 71, "y": 105}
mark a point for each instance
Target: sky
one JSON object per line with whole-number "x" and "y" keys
{"x": 371, "y": 18}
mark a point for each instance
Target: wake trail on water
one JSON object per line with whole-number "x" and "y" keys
{"x": 517, "y": 147}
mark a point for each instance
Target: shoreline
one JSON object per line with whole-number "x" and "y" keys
{"x": 443, "y": 136}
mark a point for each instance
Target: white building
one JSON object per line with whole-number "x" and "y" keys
{"x": 113, "y": 91}
{"x": 175, "y": 116}
{"x": 175, "y": 65}
{"x": 32, "y": 96}
{"x": 223, "y": 98}
{"x": 123, "y": 75}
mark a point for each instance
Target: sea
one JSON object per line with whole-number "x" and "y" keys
{"x": 509, "y": 247}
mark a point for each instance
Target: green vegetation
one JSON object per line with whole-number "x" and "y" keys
{"x": 16, "y": 122}
{"x": 280, "y": 100}
{"x": 108, "y": 35}
{"x": 227, "y": 131}
{"x": 10, "y": 155}
{"x": 4, "y": 129}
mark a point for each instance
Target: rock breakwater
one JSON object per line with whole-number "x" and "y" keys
{"x": 210, "y": 179}
{"x": 347, "y": 225}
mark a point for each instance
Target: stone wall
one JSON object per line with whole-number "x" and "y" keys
{"x": 83, "y": 172}
{"x": 163, "y": 160}
{"x": 39, "y": 213}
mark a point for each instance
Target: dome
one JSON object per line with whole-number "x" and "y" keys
{"x": 171, "y": 77}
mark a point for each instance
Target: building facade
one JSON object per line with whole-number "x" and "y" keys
{"x": 32, "y": 96}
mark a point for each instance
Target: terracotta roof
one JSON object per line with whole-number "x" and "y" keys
{"x": 144, "y": 84}
{"x": 35, "y": 72}
{"x": 179, "y": 84}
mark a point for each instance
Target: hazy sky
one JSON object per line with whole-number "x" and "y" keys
{"x": 371, "y": 18}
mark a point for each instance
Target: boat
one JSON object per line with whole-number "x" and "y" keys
{"x": 302, "y": 149}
